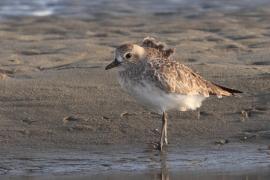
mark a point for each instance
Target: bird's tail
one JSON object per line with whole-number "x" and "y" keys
{"x": 226, "y": 91}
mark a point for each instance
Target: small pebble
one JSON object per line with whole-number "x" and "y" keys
{"x": 28, "y": 121}
{"x": 70, "y": 118}
{"x": 222, "y": 141}
{"x": 126, "y": 114}
{"x": 245, "y": 115}
{"x": 156, "y": 131}
{"x": 105, "y": 117}
{"x": 247, "y": 136}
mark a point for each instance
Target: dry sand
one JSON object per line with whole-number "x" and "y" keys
{"x": 55, "y": 93}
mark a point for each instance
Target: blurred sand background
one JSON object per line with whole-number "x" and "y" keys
{"x": 55, "y": 93}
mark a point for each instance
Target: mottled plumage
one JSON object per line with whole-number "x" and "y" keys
{"x": 151, "y": 75}
{"x": 156, "y": 49}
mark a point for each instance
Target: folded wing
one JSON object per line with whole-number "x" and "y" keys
{"x": 174, "y": 77}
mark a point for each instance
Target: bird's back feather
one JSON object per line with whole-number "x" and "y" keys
{"x": 156, "y": 48}
{"x": 174, "y": 77}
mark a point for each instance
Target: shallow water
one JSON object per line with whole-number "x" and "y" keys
{"x": 229, "y": 162}
{"x": 95, "y": 8}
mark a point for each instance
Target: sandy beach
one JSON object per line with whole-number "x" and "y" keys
{"x": 55, "y": 93}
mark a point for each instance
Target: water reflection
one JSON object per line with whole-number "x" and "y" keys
{"x": 164, "y": 172}
{"x": 237, "y": 161}
{"x": 186, "y": 165}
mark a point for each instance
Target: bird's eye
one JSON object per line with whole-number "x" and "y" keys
{"x": 128, "y": 55}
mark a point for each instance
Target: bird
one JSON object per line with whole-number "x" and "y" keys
{"x": 151, "y": 74}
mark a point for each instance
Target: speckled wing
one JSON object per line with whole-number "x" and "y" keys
{"x": 174, "y": 77}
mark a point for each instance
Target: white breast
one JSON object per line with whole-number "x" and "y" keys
{"x": 157, "y": 100}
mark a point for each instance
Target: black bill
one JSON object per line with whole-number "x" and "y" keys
{"x": 113, "y": 64}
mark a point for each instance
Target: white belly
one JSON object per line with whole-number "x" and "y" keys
{"x": 159, "y": 101}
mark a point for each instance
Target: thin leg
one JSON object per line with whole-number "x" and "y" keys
{"x": 165, "y": 129}
{"x": 164, "y": 124}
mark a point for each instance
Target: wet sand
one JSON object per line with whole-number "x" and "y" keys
{"x": 55, "y": 94}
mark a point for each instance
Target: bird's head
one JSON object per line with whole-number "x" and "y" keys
{"x": 127, "y": 54}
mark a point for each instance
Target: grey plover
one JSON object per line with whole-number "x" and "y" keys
{"x": 149, "y": 73}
